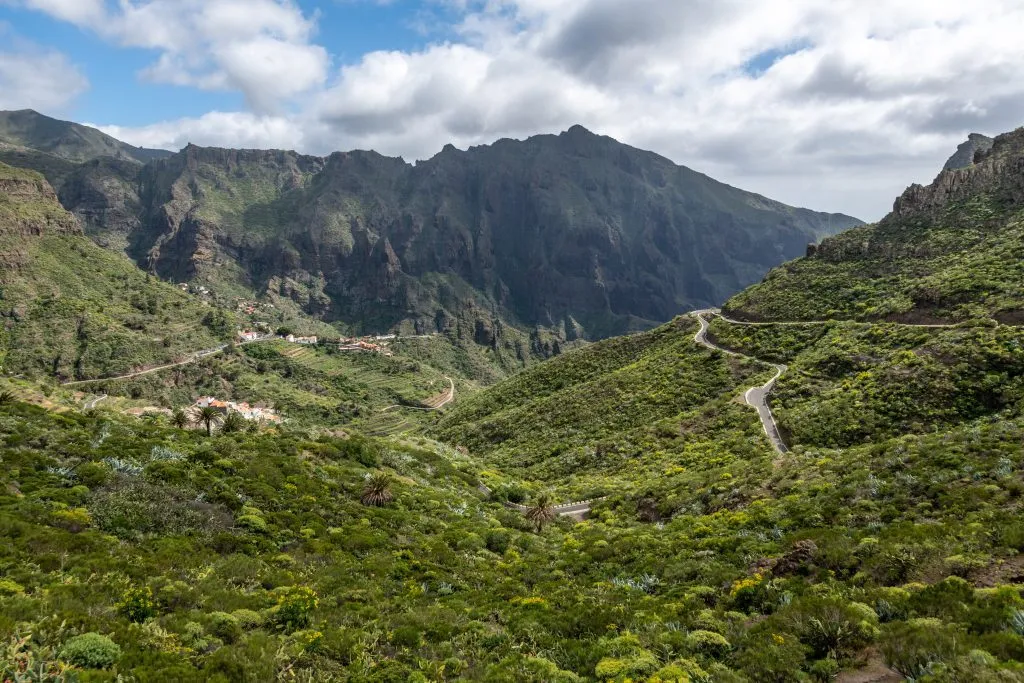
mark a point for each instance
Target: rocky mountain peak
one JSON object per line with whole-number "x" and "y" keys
{"x": 997, "y": 170}
{"x": 968, "y": 151}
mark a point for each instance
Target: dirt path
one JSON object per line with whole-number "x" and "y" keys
{"x": 449, "y": 397}
{"x": 192, "y": 358}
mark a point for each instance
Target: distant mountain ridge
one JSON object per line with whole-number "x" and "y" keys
{"x": 575, "y": 232}
{"x": 28, "y": 129}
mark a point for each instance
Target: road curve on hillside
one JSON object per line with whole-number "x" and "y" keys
{"x": 757, "y": 397}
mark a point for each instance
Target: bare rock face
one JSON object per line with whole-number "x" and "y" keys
{"x": 575, "y": 227}
{"x": 999, "y": 172}
{"x": 976, "y": 146}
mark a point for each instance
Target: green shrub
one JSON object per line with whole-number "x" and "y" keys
{"x": 225, "y": 626}
{"x": 9, "y": 587}
{"x": 295, "y": 606}
{"x": 830, "y": 626}
{"x": 708, "y": 643}
{"x": 248, "y": 619}
{"x": 91, "y": 651}
{"x": 252, "y": 523}
{"x": 912, "y": 648}
{"x": 137, "y": 603}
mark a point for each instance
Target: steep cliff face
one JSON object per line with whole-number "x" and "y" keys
{"x": 29, "y": 206}
{"x": 997, "y": 173}
{"x": 951, "y": 250}
{"x": 574, "y": 231}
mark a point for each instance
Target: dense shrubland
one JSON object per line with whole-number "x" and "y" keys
{"x": 144, "y": 550}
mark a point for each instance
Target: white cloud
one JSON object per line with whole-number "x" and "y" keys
{"x": 837, "y": 104}
{"x": 38, "y": 79}
{"x": 215, "y": 129}
{"x": 262, "y": 48}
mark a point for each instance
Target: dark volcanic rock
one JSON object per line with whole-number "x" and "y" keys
{"x": 574, "y": 231}
{"x": 967, "y": 153}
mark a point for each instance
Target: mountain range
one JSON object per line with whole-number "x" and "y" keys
{"x": 822, "y": 481}
{"x": 572, "y": 233}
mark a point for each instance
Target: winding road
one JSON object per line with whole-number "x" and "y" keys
{"x": 756, "y": 397}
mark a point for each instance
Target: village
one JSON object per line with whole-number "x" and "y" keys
{"x": 246, "y": 411}
{"x": 369, "y": 344}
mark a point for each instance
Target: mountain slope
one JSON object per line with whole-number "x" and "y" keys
{"x": 29, "y": 130}
{"x": 949, "y": 251}
{"x": 575, "y": 232}
{"x": 874, "y": 543}
{"x": 71, "y": 309}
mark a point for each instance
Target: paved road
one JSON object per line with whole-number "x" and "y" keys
{"x": 92, "y": 403}
{"x": 578, "y": 510}
{"x": 754, "y": 396}
{"x": 448, "y": 399}
{"x": 192, "y": 358}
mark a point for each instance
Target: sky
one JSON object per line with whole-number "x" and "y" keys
{"x": 835, "y": 105}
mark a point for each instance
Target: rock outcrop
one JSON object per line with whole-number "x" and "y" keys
{"x": 29, "y": 206}
{"x": 998, "y": 172}
{"x": 976, "y": 145}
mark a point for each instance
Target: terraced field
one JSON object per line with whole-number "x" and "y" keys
{"x": 361, "y": 385}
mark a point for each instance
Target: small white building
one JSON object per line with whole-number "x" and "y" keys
{"x": 292, "y": 339}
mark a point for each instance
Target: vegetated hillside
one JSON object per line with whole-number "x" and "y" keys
{"x": 250, "y": 556}
{"x": 902, "y": 440}
{"x": 611, "y": 414}
{"x": 30, "y": 130}
{"x": 851, "y": 383}
{"x": 73, "y": 310}
{"x": 948, "y": 252}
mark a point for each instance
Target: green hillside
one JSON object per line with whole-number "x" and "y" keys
{"x": 621, "y": 410}
{"x": 950, "y": 251}
{"x": 72, "y": 310}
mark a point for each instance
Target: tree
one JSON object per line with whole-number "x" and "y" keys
{"x": 541, "y": 512}
{"x": 377, "y": 492}
{"x": 180, "y": 419}
{"x": 209, "y": 416}
{"x": 234, "y": 422}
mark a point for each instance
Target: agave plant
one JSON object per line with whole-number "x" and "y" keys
{"x": 541, "y": 512}
{"x": 377, "y": 491}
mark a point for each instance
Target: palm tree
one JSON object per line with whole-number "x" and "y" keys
{"x": 207, "y": 415}
{"x": 6, "y": 397}
{"x": 541, "y": 512}
{"x": 378, "y": 490}
{"x": 180, "y": 419}
{"x": 234, "y": 422}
